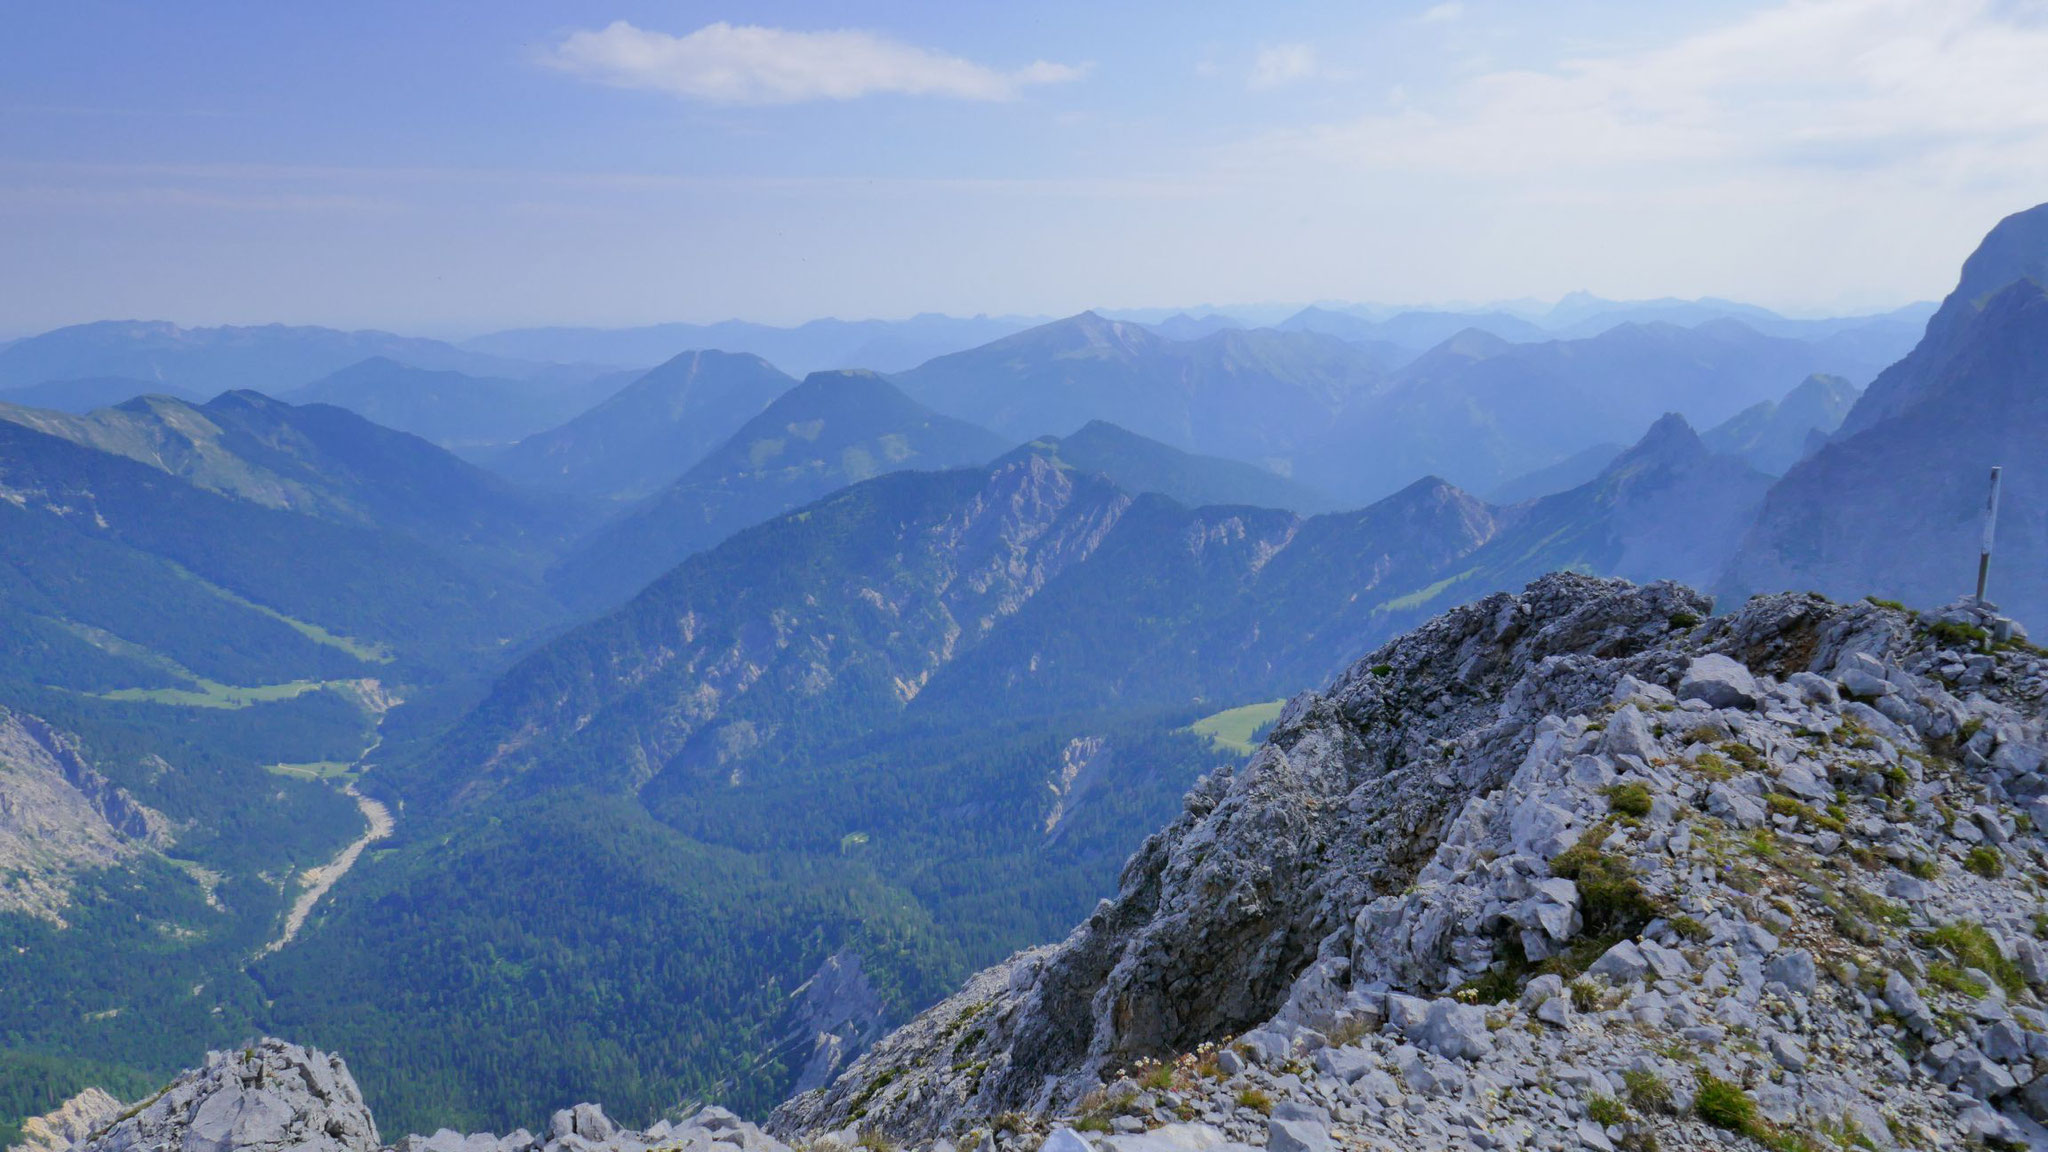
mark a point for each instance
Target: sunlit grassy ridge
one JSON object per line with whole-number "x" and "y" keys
{"x": 1233, "y": 728}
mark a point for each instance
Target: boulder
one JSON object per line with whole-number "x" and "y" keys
{"x": 1900, "y": 997}
{"x": 1622, "y": 964}
{"x": 1456, "y": 1030}
{"x": 1863, "y": 676}
{"x": 1628, "y": 734}
{"x": 1172, "y": 1138}
{"x": 1298, "y": 1136}
{"x": 1346, "y": 1064}
{"x": 1793, "y": 969}
{"x": 1719, "y": 682}
{"x": 1066, "y": 1140}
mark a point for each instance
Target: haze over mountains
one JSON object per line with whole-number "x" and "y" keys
{"x": 649, "y": 432}
{"x": 696, "y": 691}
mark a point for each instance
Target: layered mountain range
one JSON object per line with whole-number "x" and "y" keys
{"x": 693, "y": 741}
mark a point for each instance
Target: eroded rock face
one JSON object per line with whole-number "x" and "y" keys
{"x": 1217, "y": 915}
{"x": 1571, "y": 852}
{"x": 59, "y": 817}
{"x": 270, "y": 1097}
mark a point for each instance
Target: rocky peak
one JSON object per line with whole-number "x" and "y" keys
{"x": 268, "y": 1097}
{"x": 1669, "y": 441}
{"x": 2015, "y": 250}
{"x": 1573, "y": 867}
{"x": 1917, "y": 472}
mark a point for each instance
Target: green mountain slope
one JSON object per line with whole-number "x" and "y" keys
{"x": 834, "y": 429}
{"x": 345, "y": 592}
{"x": 1206, "y": 607}
{"x": 324, "y": 462}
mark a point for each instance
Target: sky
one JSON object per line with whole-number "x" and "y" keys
{"x": 466, "y": 165}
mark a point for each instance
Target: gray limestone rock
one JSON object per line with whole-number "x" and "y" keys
{"x": 1065, "y": 1140}
{"x": 1900, "y": 996}
{"x": 1793, "y": 969}
{"x": 1622, "y": 964}
{"x": 1298, "y": 1136}
{"x": 269, "y": 1097}
{"x": 1346, "y": 1064}
{"x": 1455, "y": 1030}
{"x": 1720, "y": 682}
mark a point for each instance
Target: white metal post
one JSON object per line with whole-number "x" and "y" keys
{"x": 1990, "y": 528}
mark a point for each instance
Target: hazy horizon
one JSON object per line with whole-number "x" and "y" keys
{"x": 629, "y": 163}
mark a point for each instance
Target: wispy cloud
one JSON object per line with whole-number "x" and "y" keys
{"x": 1953, "y": 91}
{"x": 1442, "y": 13}
{"x": 748, "y": 64}
{"x": 1284, "y": 64}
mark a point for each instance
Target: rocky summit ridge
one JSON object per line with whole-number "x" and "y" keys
{"x": 1578, "y": 867}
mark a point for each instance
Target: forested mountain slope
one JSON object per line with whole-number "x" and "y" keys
{"x": 834, "y": 429}
{"x": 325, "y": 462}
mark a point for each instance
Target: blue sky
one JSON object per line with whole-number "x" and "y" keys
{"x": 454, "y": 167}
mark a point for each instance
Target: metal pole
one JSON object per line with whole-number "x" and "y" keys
{"x": 1990, "y": 528}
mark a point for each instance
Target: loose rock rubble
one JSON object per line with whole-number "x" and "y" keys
{"x": 1771, "y": 878}
{"x": 585, "y": 1128}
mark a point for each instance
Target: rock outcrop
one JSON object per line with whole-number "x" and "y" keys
{"x": 69, "y": 1123}
{"x": 269, "y": 1097}
{"x": 59, "y": 817}
{"x": 278, "y": 1097}
{"x": 1575, "y": 867}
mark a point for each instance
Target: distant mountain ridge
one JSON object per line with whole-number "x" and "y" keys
{"x": 1480, "y": 410}
{"x": 818, "y": 345}
{"x": 1140, "y": 464}
{"x": 270, "y": 358}
{"x": 452, "y": 408}
{"x": 1774, "y": 435}
{"x": 651, "y": 431}
{"x": 83, "y": 395}
{"x": 1243, "y": 394}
